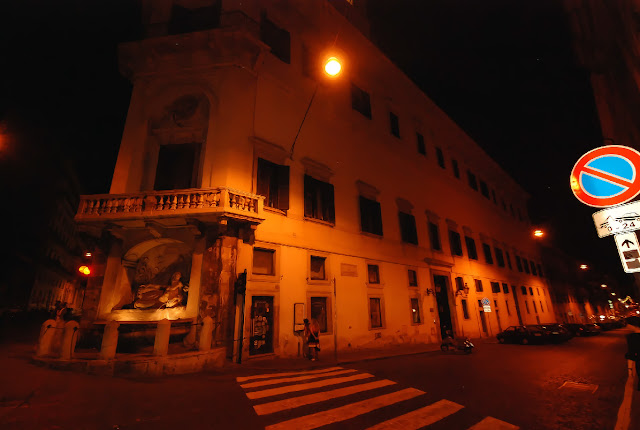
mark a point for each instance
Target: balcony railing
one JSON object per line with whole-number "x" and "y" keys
{"x": 224, "y": 202}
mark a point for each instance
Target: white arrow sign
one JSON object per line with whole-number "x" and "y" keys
{"x": 629, "y": 251}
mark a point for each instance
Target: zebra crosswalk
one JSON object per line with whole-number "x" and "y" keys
{"x": 288, "y": 397}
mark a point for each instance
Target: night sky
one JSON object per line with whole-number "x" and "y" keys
{"x": 502, "y": 69}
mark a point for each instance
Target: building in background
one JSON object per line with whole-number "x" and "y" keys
{"x": 353, "y": 199}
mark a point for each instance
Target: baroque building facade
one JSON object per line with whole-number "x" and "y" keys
{"x": 353, "y": 200}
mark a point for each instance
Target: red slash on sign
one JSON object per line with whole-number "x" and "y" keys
{"x": 607, "y": 176}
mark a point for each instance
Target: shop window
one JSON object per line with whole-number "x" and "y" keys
{"x": 375, "y": 312}
{"x": 394, "y": 124}
{"x": 473, "y": 183}
{"x": 495, "y": 287}
{"x": 455, "y": 243}
{"x": 374, "y": 273}
{"x": 318, "y": 200}
{"x": 370, "y": 216}
{"x": 408, "y": 231}
{"x": 440, "y": 157}
{"x": 263, "y": 261}
{"x": 317, "y": 268}
{"x": 318, "y": 311}
{"x": 465, "y": 309}
{"x": 360, "y": 101}
{"x": 413, "y": 278}
{"x": 273, "y": 183}
{"x": 278, "y": 39}
{"x": 434, "y": 237}
{"x": 479, "y": 287}
{"x": 488, "y": 258}
{"x": 415, "y": 311}
{"x": 422, "y": 148}
{"x": 471, "y": 247}
{"x": 505, "y": 288}
{"x": 499, "y": 257}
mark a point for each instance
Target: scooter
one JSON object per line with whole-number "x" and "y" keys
{"x": 449, "y": 343}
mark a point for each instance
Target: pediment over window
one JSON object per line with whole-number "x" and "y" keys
{"x": 366, "y": 190}
{"x": 317, "y": 169}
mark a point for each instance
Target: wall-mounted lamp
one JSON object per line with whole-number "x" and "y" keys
{"x": 430, "y": 291}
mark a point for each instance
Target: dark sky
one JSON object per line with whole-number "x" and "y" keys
{"x": 502, "y": 69}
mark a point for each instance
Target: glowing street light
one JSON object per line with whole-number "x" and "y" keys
{"x": 332, "y": 66}
{"x": 538, "y": 233}
{"x": 84, "y": 270}
{"x": 87, "y": 254}
{"x": 613, "y": 294}
{"x": 603, "y": 285}
{"x": 584, "y": 266}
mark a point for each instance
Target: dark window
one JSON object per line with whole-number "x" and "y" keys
{"x": 523, "y": 289}
{"x": 504, "y": 205}
{"x": 375, "y": 312}
{"x": 506, "y": 302}
{"x": 505, "y": 288}
{"x": 360, "y": 101}
{"x": 488, "y": 258}
{"x": 479, "y": 288}
{"x": 263, "y": 261}
{"x": 495, "y": 287}
{"x": 184, "y": 20}
{"x": 541, "y": 308}
{"x": 455, "y": 243}
{"x": 526, "y": 305}
{"x": 177, "y": 166}
{"x": 459, "y": 283}
{"x": 277, "y": 38}
{"x": 394, "y": 124}
{"x": 540, "y": 270}
{"x": 440, "y": 157}
{"x": 508, "y": 258}
{"x": 317, "y": 268}
{"x": 511, "y": 210}
{"x": 499, "y": 257}
{"x": 370, "y": 216}
{"x": 408, "y": 228}
{"x": 413, "y": 278}
{"x": 531, "y": 291}
{"x": 415, "y": 311}
{"x": 318, "y": 200}
{"x": 525, "y": 265}
{"x": 484, "y": 189}
{"x": 374, "y": 273}
{"x": 456, "y": 170}
{"x": 471, "y": 247}
{"x": 422, "y": 149}
{"x": 465, "y": 310}
{"x": 535, "y": 307}
{"x": 493, "y": 195}
{"x": 534, "y": 272}
{"x": 319, "y": 312}
{"x": 434, "y": 237}
{"x": 473, "y": 183}
{"x": 518, "y": 264}
{"x": 273, "y": 183}
{"x": 538, "y": 290}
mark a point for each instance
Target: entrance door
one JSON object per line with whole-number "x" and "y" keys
{"x": 441, "y": 284}
{"x": 515, "y": 299}
{"x": 261, "y": 339}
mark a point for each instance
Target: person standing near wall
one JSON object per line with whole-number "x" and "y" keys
{"x": 312, "y": 333}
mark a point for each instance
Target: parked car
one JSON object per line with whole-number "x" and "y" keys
{"x": 555, "y": 332}
{"x": 611, "y": 323}
{"x": 522, "y": 334}
{"x": 583, "y": 329}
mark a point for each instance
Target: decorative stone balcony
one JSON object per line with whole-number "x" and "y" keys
{"x": 208, "y": 204}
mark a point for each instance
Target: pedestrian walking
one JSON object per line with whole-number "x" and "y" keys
{"x": 312, "y": 333}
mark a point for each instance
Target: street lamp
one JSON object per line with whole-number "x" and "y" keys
{"x": 332, "y": 66}
{"x": 603, "y": 285}
{"x": 538, "y": 233}
{"x": 584, "y": 266}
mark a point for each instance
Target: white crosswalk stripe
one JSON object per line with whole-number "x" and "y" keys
{"x": 293, "y": 383}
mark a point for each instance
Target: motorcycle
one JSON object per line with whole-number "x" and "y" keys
{"x": 452, "y": 344}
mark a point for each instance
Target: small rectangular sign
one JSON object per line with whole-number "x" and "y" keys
{"x": 629, "y": 251}
{"x": 617, "y": 219}
{"x": 486, "y": 308}
{"x": 348, "y": 269}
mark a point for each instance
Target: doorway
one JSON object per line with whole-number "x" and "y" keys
{"x": 441, "y": 284}
{"x": 261, "y": 339}
{"x": 483, "y": 318}
{"x": 515, "y": 299}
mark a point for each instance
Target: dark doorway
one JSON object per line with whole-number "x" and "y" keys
{"x": 177, "y": 166}
{"x": 483, "y": 318}
{"x": 261, "y": 340}
{"x": 515, "y": 299}
{"x": 441, "y": 284}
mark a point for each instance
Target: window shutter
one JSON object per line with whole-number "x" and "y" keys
{"x": 263, "y": 179}
{"x": 309, "y": 194}
{"x": 377, "y": 218}
{"x": 283, "y": 188}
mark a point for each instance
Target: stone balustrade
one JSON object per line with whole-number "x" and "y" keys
{"x": 221, "y": 201}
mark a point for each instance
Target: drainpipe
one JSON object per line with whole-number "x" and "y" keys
{"x": 335, "y": 320}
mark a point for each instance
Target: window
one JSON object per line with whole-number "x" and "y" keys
{"x": 318, "y": 311}
{"x": 408, "y": 231}
{"x": 277, "y": 38}
{"x": 526, "y": 304}
{"x": 471, "y": 247}
{"x": 505, "y": 288}
{"x": 318, "y": 200}
{"x": 499, "y": 257}
{"x": 535, "y": 307}
{"x": 508, "y": 258}
{"x": 370, "y": 216}
{"x": 415, "y": 311}
{"x": 487, "y": 253}
{"x": 465, "y": 309}
{"x": 177, "y": 167}
{"x": 525, "y": 265}
{"x": 518, "y": 264}
{"x": 440, "y": 157}
{"x": 263, "y": 261}
{"x": 317, "y": 268}
{"x": 374, "y": 273}
{"x": 434, "y": 237}
{"x": 273, "y": 183}
{"x": 493, "y": 196}
{"x": 472, "y": 180}
{"x": 360, "y": 101}
{"x": 459, "y": 283}
{"x": 422, "y": 149}
{"x": 394, "y": 124}
{"x": 506, "y": 302}
{"x": 541, "y": 308}
{"x": 495, "y": 287}
{"x": 534, "y": 272}
{"x": 540, "y": 270}
{"x": 455, "y": 243}
{"x": 413, "y": 278}
{"x": 456, "y": 170}
{"x": 531, "y": 291}
{"x": 484, "y": 189}
{"x": 479, "y": 288}
{"x": 524, "y": 290}
{"x": 375, "y": 312}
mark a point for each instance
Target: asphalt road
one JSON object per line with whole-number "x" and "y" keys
{"x": 513, "y": 384}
